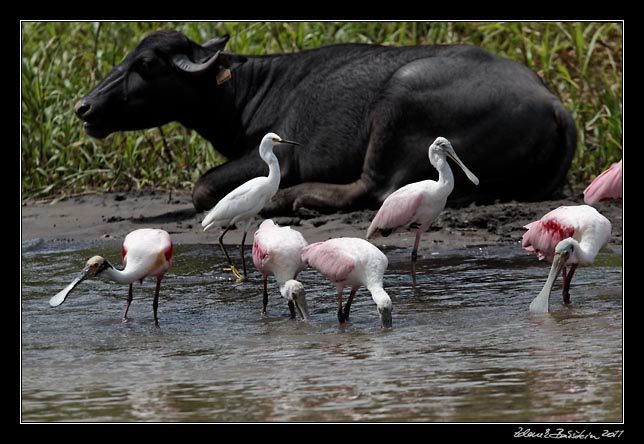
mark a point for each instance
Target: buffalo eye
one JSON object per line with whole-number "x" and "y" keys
{"x": 147, "y": 67}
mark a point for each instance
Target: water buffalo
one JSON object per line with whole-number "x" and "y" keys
{"x": 364, "y": 116}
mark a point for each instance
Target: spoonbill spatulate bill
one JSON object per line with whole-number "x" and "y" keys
{"x": 568, "y": 235}
{"x": 146, "y": 252}
{"x": 243, "y": 203}
{"x": 416, "y": 205}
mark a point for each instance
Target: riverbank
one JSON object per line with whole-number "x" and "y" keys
{"x": 110, "y": 216}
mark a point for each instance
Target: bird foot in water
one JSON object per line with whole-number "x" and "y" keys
{"x": 341, "y": 317}
{"x": 238, "y": 275}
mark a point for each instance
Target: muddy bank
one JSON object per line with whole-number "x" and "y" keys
{"x": 110, "y": 216}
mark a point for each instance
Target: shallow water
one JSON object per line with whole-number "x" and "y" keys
{"x": 463, "y": 348}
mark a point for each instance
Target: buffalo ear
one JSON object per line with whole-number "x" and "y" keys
{"x": 226, "y": 63}
{"x": 217, "y": 44}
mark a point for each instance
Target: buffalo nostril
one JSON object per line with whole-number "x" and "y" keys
{"x": 81, "y": 108}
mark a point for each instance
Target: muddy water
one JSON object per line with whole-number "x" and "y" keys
{"x": 463, "y": 346}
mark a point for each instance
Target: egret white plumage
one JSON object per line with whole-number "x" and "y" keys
{"x": 278, "y": 251}
{"x": 354, "y": 262}
{"x": 567, "y": 235}
{"x": 247, "y": 200}
{"x": 146, "y": 252}
{"x": 416, "y": 205}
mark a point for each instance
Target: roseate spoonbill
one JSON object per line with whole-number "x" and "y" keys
{"x": 354, "y": 262}
{"x": 278, "y": 251}
{"x": 248, "y": 199}
{"x": 146, "y": 252}
{"x": 567, "y": 235}
{"x": 416, "y": 205}
{"x": 606, "y": 186}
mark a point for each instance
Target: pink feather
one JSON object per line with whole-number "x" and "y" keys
{"x": 277, "y": 250}
{"x": 260, "y": 256}
{"x": 606, "y": 186}
{"x": 543, "y": 235}
{"x": 328, "y": 260}
{"x": 397, "y": 211}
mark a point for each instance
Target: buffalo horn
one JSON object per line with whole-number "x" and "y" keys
{"x": 182, "y": 62}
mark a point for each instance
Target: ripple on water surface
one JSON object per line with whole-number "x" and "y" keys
{"x": 463, "y": 346}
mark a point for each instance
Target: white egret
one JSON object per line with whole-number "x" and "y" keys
{"x": 247, "y": 200}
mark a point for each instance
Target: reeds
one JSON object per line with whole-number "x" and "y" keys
{"x": 580, "y": 62}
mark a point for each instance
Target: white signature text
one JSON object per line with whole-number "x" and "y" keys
{"x": 561, "y": 433}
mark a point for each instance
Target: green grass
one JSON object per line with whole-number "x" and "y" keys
{"x": 580, "y": 62}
